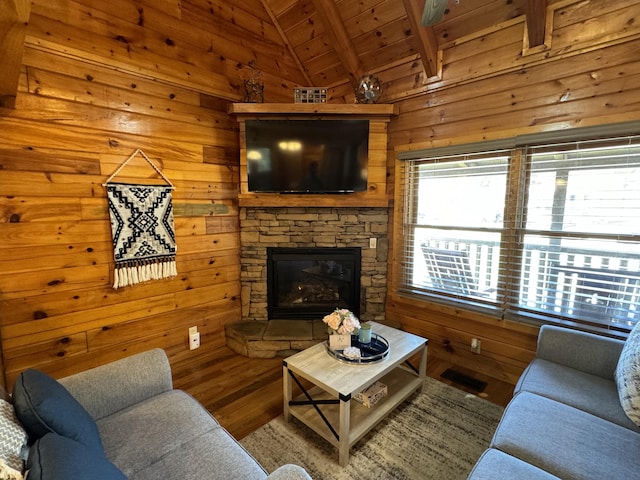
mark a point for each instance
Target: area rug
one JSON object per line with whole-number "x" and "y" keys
{"x": 435, "y": 435}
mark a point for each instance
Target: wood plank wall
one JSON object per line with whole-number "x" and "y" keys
{"x": 589, "y": 74}
{"x": 99, "y": 80}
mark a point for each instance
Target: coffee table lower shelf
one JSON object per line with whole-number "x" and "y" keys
{"x": 401, "y": 383}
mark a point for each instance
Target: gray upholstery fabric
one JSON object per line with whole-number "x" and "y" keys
{"x": 565, "y": 441}
{"x": 151, "y": 431}
{"x": 214, "y": 455}
{"x": 143, "y": 434}
{"x": 565, "y": 417}
{"x": 590, "y": 393}
{"x": 115, "y": 386}
{"x": 494, "y": 465}
{"x": 289, "y": 472}
{"x": 583, "y": 351}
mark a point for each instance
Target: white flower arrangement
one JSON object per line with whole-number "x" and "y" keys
{"x": 341, "y": 321}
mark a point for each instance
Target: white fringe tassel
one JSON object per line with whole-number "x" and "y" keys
{"x": 125, "y": 275}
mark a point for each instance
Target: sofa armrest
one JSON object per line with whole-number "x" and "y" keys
{"x": 582, "y": 351}
{"x": 117, "y": 385}
{"x": 289, "y": 472}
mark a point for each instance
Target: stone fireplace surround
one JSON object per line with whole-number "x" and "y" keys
{"x": 262, "y": 227}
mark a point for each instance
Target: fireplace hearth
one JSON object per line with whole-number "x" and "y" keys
{"x": 309, "y": 282}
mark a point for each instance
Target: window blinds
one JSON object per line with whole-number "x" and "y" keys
{"x": 546, "y": 231}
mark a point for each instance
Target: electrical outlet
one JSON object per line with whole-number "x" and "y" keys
{"x": 194, "y": 340}
{"x": 475, "y": 345}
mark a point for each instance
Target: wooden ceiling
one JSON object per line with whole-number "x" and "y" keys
{"x": 321, "y": 43}
{"x": 334, "y": 42}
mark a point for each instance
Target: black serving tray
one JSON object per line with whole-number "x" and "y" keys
{"x": 375, "y": 351}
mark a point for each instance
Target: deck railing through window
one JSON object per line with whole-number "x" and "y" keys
{"x": 589, "y": 285}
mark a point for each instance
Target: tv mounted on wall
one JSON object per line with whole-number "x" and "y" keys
{"x": 307, "y": 156}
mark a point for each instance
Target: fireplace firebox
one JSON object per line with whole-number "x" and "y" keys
{"x": 308, "y": 283}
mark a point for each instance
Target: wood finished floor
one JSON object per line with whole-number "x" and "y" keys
{"x": 245, "y": 393}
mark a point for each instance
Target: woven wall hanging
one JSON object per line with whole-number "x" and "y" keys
{"x": 144, "y": 240}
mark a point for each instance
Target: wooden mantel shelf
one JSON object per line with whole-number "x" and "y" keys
{"x": 311, "y": 200}
{"x": 370, "y": 110}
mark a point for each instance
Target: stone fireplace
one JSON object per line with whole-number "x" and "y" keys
{"x": 263, "y": 228}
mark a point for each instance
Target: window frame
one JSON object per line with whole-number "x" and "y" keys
{"x": 507, "y": 303}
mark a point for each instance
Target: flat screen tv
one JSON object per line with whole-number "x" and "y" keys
{"x": 307, "y": 156}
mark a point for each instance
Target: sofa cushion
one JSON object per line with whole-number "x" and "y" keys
{"x": 584, "y": 351}
{"x": 565, "y": 441}
{"x": 172, "y": 436}
{"x": 12, "y": 437}
{"x": 494, "y": 464}
{"x": 628, "y": 376}
{"x": 590, "y": 393}
{"x": 44, "y": 406}
{"x": 54, "y": 457}
{"x": 117, "y": 385}
{"x": 214, "y": 455}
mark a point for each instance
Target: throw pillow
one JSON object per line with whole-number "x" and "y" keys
{"x": 53, "y": 457}
{"x": 8, "y": 473}
{"x": 43, "y": 405}
{"x": 12, "y": 437}
{"x": 628, "y": 376}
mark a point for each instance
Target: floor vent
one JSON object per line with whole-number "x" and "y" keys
{"x": 464, "y": 380}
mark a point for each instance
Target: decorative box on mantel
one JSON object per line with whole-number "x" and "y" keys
{"x": 378, "y": 115}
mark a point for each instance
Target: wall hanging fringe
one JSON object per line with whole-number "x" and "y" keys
{"x": 144, "y": 242}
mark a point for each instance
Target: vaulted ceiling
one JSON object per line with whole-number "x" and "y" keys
{"x": 337, "y": 41}
{"x": 324, "y": 43}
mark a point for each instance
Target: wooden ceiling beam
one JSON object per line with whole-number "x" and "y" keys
{"x": 14, "y": 18}
{"x": 425, "y": 37}
{"x": 285, "y": 40}
{"x": 536, "y": 15}
{"x": 329, "y": 15}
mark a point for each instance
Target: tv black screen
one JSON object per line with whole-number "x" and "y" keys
{"x": 307, "y": 156}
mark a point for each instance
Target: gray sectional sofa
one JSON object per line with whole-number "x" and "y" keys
{"x": 145, "y": 429}
{"x": 565, "y": 419}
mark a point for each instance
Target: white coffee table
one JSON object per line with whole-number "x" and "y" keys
{"x": 327, "y": 407}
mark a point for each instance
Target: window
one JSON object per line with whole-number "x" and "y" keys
{"x": 545, "y": 231}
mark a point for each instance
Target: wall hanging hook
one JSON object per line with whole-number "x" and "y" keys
{"x": 153, "y": 165}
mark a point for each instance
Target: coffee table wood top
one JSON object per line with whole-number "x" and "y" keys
{"x": 341, "y": 378}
